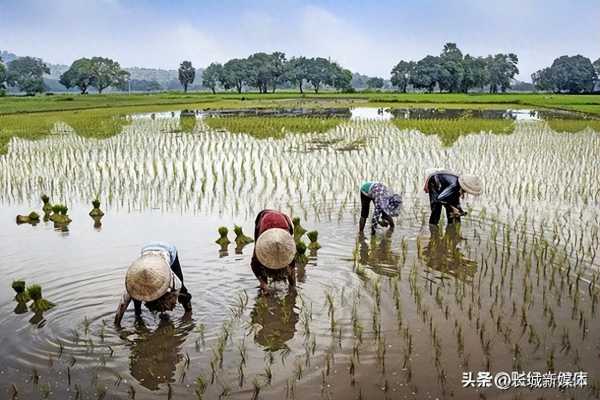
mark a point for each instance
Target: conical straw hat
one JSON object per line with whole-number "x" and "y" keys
{"x": 148, "y": 277}
{"x": 470, "y": 184}
{"x": 275, "y": 248}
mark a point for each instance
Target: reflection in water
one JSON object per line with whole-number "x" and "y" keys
{"x": 442, "y": 253}
{"x": 378, "y": 253}
{"x": 155, "y": 354}
{"x": 277, "y": 318}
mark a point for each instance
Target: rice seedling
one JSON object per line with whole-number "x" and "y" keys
{"x": 31, "y": 218}
{"x": 300, "y": 257}
{"x": 272, "y": 127}
{"x": 96, "y": 212}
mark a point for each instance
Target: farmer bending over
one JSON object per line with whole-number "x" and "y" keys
{"x": 445, "y": 189}
{"x": 156, "y": 279}
{"x": 275, "y": 249}
{"x": 387, "y": 205}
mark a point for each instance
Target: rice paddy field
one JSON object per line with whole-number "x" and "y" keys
{"x": 395, "y": 315}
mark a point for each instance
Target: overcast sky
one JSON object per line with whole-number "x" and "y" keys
{"x": 367, "y": 37}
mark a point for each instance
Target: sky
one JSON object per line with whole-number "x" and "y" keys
{"x": 364, "y": 36}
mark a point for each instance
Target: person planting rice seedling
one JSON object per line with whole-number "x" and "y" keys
{"x": 275, "y": 249}
{"x": 387, "y": 205}
{"x": 156, "y": 279}
{"x": 445, "y": 189}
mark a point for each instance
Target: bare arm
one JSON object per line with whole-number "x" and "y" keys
{"x": 125, "y": 300}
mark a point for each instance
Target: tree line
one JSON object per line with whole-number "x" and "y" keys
{"x": 266, "y": 72}
{"x": 451, "y": 71}
{"x": 454, "y": 72}
{"x": 576, "y": 74}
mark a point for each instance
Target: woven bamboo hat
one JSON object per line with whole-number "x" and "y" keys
{"x": 470, "y": 184}
{"x": 148, "y": 277}
{"x": 275, "y": 248}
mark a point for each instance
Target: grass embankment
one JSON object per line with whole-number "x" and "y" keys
{"x": 273, "y": 127}
{"x": 166, "y": 101}
{"x": 449, "y": 130}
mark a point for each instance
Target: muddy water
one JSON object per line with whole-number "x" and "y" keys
{"x": 398, "y": 315}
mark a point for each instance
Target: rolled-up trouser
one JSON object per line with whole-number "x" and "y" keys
{"x": 436, "y": 208}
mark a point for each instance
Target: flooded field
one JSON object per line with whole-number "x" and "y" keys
{"x": 389, "y": 316}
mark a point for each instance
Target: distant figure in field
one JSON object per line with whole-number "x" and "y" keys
{"x": 155, "y": 278}
{"x": 274, "y": 250}
{"x": 387, "y": 205}
{"x": 445, "y": 189}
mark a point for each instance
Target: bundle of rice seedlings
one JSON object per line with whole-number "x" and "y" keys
{"x": 241, "y": 239}
{"x": 39, "y": 303}
{"x": 314, "y": 244}
{"x": 96, "y": 211}
{"x": 19, "y": 287}
{"x": 223, "y": 240}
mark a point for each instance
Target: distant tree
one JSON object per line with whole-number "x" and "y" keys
{"x": 567, "y": 74}
{"x": 27, "y": 73}
{"x": 426, "y": 73}
{"x": 543, "y": 80}
{"x": 106, "y": 73}
{"x": 375, "y": 83}
{"x": 144, "y": 85}
{"x": 319, "y": 72}
{"x": 451, "y": 71}
{"x": 211, "y": 76}
{"x": 340, "y": 78}
{"x": 475, "y": 74}
{"x": 2, "y": 77}
{"x": 235, "y": 74}
{"x": 573, "y": 74}
{"x": 297, "y": 72}
{"x": 80, "y": 74}
{"x": 402, "y": 73}
{"x": 187, "y": 74}
{"x": 502, "y": 69}
{"x": 278, "y": 69}
{"x": 259, "y": 71}
{"x": 597, "y": 67}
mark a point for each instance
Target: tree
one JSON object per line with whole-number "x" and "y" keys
{"x": 543, "y": 79}
{"x": 80, "y": 74}
{"x": 187, "y": 74}
{"x": 2, "y": 77}
{"x": 106, "y": 73}
{"x": 375, "y": 83}
{"x": 402, "y": 73}
{"x": 211, "y": 76}
{"x": 502, "y": 69}
{"x": 278, "y": 68}
{"x": 27, "y": 73}
{"x": 567, "y": 74}
{"x": 573, "y": 74}
{"x": 451, "y": 70}
{"x": 426, "y": 73}
{"x": 319, "y": 72}
{"x": 235, "y": 74}
{"x": 259, "y": 71}
{"x": 297, "y": 72}
{"x": 474, "y": 73}
{"x": 144, "y": 85}
{"x": 341, "y": 78}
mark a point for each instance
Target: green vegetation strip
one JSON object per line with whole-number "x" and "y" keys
{"x": 99, "y": 124}
{"x": 165, "y": 101}
{"x": 273, "y": 127}
{"x": 449, "y": 130}
{"x": 573, "y": 125}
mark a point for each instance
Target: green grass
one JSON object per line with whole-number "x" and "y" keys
{"x": 449, "y": 130}
{"x": 163, "y": 101}
{"x": 100, "y": 124}
{"x": 573, "y": 125}
{"x": 272, "y": 127}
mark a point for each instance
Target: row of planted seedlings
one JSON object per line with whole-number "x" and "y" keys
{"x": 210, "y": 171}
